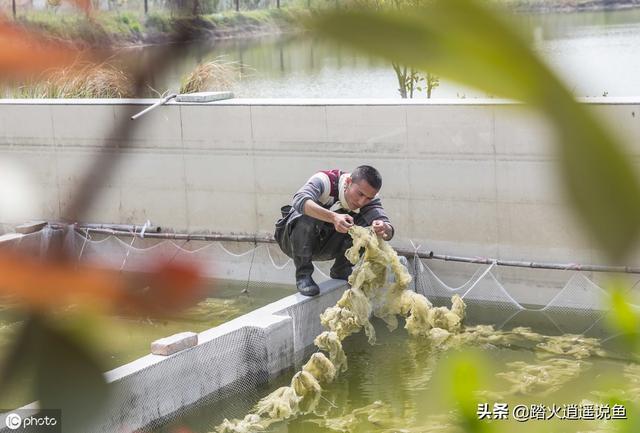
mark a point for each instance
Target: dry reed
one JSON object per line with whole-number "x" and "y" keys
{"x": 217, "y": 74}
{"x": 78, "y": 81}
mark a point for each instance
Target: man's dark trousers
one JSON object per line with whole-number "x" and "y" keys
{"x": 306, "y": 239}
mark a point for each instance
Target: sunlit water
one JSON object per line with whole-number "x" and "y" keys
{"x": 399, "y": 385}
{"x": 595, "y": 53}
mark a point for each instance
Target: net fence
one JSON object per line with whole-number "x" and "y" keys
{"x": 250, "y": 265}
{"x": 238, "y": 362}
{"x": 566, "y": 301}
{"x": 575, "y": 302}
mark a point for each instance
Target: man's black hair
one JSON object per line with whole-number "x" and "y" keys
{"x": 369, "y": 174}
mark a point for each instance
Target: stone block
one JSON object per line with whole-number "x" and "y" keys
{"x": 175, "y": 343}
{"x": 204, "y": 96}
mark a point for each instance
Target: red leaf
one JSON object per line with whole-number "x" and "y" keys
{"x": 41, "y": 285}
{"x": 24, "y": 52}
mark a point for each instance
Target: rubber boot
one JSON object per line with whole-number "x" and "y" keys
{"x": 341, "y": 269}
{"x": 304, "y": 281}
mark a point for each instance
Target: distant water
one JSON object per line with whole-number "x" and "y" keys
{"x": 596, "y": 53}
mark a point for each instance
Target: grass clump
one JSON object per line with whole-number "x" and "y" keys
{"x": 78, "y": 81}
{"x": 214, "y": 75}
{"x": 108, "y": 81}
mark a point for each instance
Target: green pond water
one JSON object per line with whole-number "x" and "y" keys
{"x": 399, "y": 384}
{"x": 121, "y": 340}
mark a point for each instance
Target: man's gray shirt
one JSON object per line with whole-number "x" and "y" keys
{"x": 318, "y": 189}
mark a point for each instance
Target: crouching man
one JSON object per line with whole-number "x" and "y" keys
{"x": 315, "y": 225}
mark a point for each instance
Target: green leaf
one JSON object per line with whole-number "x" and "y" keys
{"x": 623, "y": 316}
{"x": 19, "y": 357}
{"x": 632, "y": 424}
{"x": 462, "y": 375}
{"x": 468, "y": 42}
{"x": 71, "y": 379}
{"x": 67, "y": 377}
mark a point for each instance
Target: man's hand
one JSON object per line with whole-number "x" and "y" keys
{"x": 382, "y": 229}
{"x": 342, "y": 222}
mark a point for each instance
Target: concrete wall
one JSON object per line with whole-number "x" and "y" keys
{"x": 460, "y": 177}
{"x": 234, "y": 357}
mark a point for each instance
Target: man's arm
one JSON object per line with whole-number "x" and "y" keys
{"x": 341, "y": 222}
{"x": 306, "y": 199}
{"x": 374, "y": 215}
{"x": 383, "y": 228}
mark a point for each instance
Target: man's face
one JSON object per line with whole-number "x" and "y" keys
{"x": 359, "y": 193}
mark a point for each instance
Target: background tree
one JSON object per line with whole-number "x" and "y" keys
{"x": 408, "y": 77}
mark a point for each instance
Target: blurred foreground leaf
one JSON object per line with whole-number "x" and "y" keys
{"x": 66, "y": 375}
{"x": 42, "y": 285}
{"x": 25, "y": 52}
{"x": 461, "y": 375}
{"x": 468, "y": 42}
{"x": 166, "y": 288}
{"x": 623, "y": 316}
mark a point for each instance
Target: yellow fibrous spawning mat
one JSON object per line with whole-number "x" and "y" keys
{"x": 367, "y": 296}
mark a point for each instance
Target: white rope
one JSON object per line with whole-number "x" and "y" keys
{"x": 594, "y": 323}
{"x": 415, "y": 248}
{"x": 84, "y": 243}
{"x": 273, "y": 261}
{"x": 567, "y": 287}
{"x": 233, "y": 254}
{"x": 416, "y": 259}
{"x": 500, "y": 286}
{"x": 141, "y": 250}
{"x": 99, "y": 241}
{"x": 197, "y": 250}
{"x": 461, "y": 287}
{"x": 468, "y": 287}
{"x": 146, "y": 225}
{"x": 321, "y": 273}
{"x": 126, "y": 256}
{"x": 472, "y": 284}
{"x": 246, "y": 289}
{"x": 508, "y": 319}
{"x": 486, "y": 271}
{"x": 554, "y": 323}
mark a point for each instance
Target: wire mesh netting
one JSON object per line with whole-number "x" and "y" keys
{"x": 576, "y": 304}
{"x": 234, "y": 365}
{"x": 254, "y": 265}
{"x": 238, "y": 364}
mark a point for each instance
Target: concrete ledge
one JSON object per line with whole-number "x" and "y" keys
{"x": 31, "y": 227}
{"x": 235, "y": 356}
{"x": 312, "y": 101}
{"x": 10, "y": 238}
